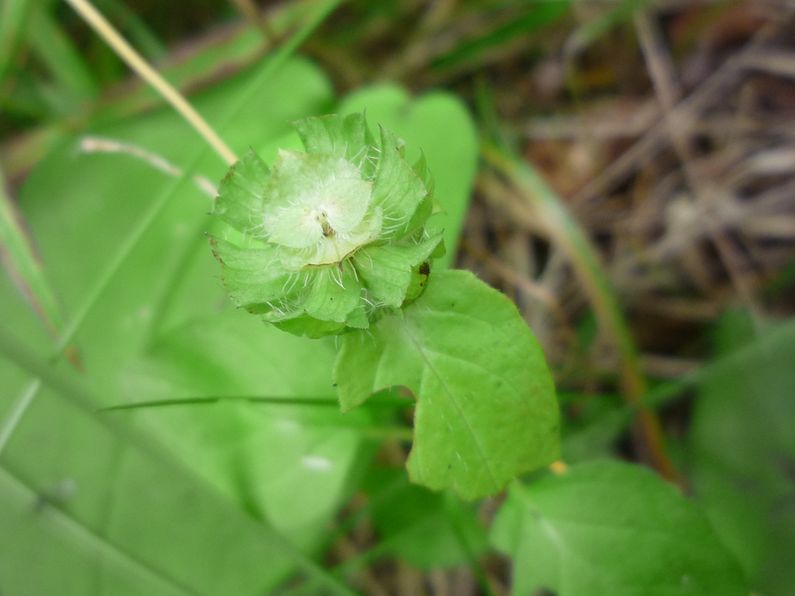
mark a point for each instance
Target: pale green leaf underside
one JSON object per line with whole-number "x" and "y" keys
{"x": 611, "y": 528}
{"x": 486, "y": 408}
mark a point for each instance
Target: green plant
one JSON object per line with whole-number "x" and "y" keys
{"x": 184, "y": 432}
{"x": 333, "y": 240}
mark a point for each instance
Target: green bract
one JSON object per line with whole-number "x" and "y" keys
{"x": 329, "y": 238}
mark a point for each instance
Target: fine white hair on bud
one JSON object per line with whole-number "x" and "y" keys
{"x": 328, "y": 238}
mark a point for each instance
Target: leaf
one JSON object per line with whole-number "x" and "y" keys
{"x": 486, "y": 408}
{"x": 437, "y": 127}
{"x": 611, "y": 528}
{"x": 742, "y": 449}
{"x": 287, "y": 463}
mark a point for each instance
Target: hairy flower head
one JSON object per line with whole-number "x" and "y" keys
{"x": 328, "y": 238}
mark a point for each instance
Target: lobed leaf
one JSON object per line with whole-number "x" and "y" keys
{"x": 486, "y": 408}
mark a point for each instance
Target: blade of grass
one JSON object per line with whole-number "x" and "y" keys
{"x": 385, "y": 401}
{"x": 565, "y": 232}
{"x": 56, "y": 51}
{"x": 596, "y": 28}
{"x": 532, "y": 17}
{"x": 79, "y": 396}
{"x": 23, "y": 266}
{"x": 14, "y": 16}
{"x": 137, "y": 29}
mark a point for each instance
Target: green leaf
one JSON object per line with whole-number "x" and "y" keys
{"x": 287, "y": 463}
{"x": 486, "y": 408}
{"x": 742, "y": 449}
{"x": 611, "y": 528}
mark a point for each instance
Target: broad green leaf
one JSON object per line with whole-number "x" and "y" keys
{"x": 287, "y": 463}
{"x": 79, "y": 208}
{"x": 742, "y": 449}
{"x": 30, "y": 520}
{"x": 486, "y": 409}
{"x": 611, "y": 528}
{"x": 438, "y": 128}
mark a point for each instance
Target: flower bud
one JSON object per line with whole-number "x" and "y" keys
{"x": 329, "y": 238}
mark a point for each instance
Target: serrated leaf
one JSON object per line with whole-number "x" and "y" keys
{"x": 343, "y": 136}
{"x": 611, "y": 528}
{"x": 486, "y": 408}
{"x": 397, "y": 189}
{"x": 252, "y": 276}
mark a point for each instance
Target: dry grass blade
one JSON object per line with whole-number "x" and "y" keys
{"x": 137, "y": 62}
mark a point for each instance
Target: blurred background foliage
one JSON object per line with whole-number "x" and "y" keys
{"x": 623, "y": 169}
